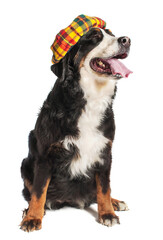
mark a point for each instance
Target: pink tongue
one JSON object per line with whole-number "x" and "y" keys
{"x": 118, "y": 68}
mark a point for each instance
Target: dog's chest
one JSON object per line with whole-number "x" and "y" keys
{"x": 91, "y": 141}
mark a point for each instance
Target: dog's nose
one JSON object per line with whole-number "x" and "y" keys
{"x": 125, "y": 41}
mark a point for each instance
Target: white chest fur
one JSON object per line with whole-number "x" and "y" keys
{"x": 91, "y": 141}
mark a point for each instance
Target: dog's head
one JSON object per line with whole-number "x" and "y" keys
{"x": 97, "y": 52}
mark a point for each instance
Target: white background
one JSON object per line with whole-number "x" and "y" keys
{"x": 28, "y": 29}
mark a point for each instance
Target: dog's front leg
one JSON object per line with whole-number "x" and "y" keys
{"x": 33, "y": 219}
{"x": 106, "y": 212}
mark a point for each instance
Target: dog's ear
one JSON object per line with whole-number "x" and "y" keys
{"x": 57, "y": 69}
{"x": 63, "y": 68}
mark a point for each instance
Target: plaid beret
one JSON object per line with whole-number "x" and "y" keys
{"x": 69, "y": 36}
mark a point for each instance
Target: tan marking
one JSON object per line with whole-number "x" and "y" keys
{"x": 110, "y": 143}
{"x": 103, "y": 200}
{"x": 100, "y": 85}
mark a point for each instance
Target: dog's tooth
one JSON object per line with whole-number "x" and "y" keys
{"x": 100, "y": 63}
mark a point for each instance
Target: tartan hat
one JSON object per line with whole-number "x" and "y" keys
{"x": 69, "y": 36}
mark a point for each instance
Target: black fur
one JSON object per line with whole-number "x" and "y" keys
{"x": 57, "y": 119}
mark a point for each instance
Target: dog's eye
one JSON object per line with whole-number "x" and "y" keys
{"x": 95, "y": 34}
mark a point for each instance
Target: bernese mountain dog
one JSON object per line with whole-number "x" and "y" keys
{"x": 70, "y": 157}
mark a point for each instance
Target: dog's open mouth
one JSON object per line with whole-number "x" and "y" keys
{"x": 111, "y": 66}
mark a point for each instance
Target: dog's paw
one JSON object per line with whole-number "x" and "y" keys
{"x": 109, "y": 220}
{"x": 29, "y": 225}
{"x": 120, "y": 206}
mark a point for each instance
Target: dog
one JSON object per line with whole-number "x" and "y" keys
{"x": 70, "y": 157}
